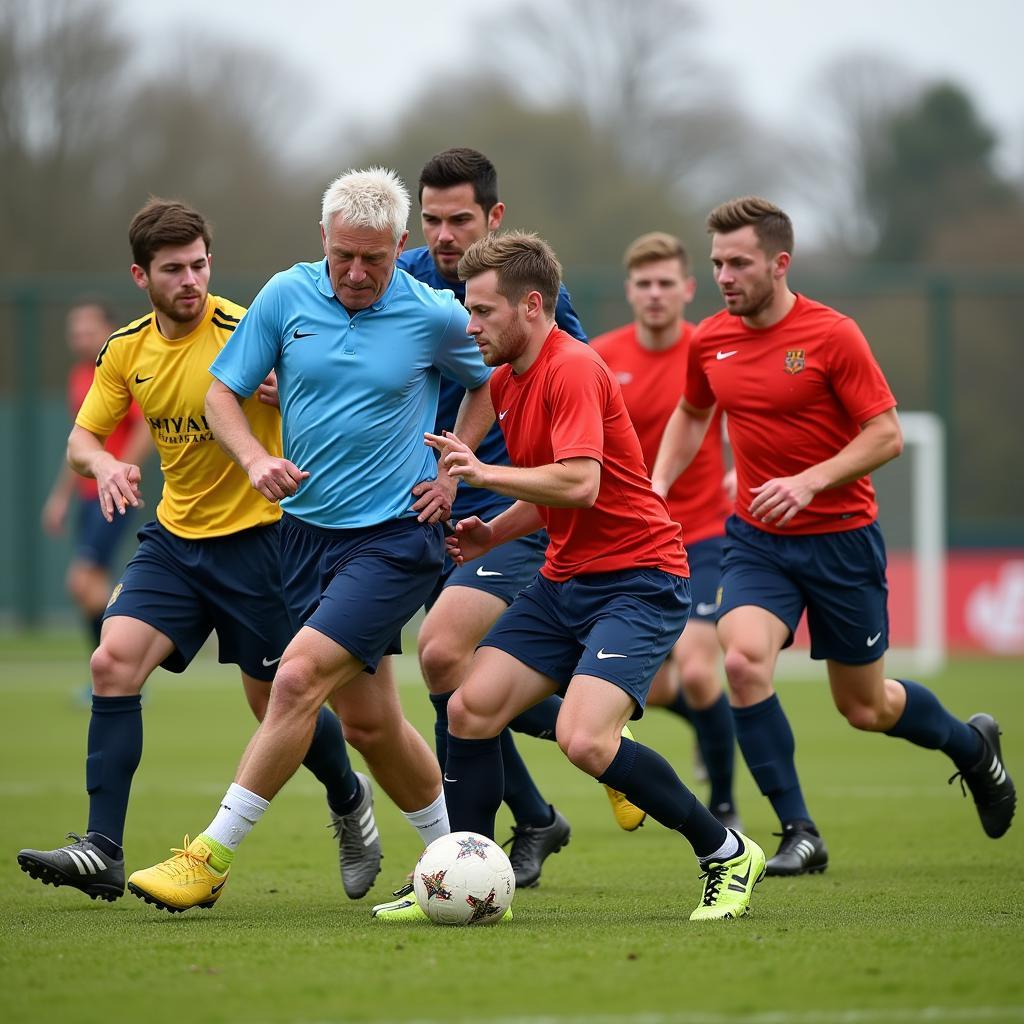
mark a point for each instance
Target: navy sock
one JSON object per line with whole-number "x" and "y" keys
{"x": 327, "y": 759}
{"x": 539, "y": 720}
{"x": 440, "y": 702}
{"x": 473, "y": 784}
{"x": 520, "y": 792}
{"x": 766, "y": 740}
{"x": 716, "y": 736}
{"x": 678, "y": 706}
{"x": 114, "y": 752}
{"x": 649, "y": 781}
{"x": 927, "y": 723}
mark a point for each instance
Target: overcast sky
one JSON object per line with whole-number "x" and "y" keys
{"x": 769, "y": 49}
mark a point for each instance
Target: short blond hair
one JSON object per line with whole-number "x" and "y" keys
{"x": 654, "y": 247}
{"x": 375, "y": 198}
{"x": 524, "y": 263}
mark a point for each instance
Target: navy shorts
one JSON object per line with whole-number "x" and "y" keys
{"x": 503, "y": 572}
{"x": 618, "y": 626}
{"x": 96, "y": 540}
{"x": 360, "y": 586}
{"x": 705, "y": 558}
{"x": 189, "y": 588}
{"x": 838, "y": 577}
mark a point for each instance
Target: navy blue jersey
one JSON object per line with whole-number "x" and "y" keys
{"x": 474, "y": 501}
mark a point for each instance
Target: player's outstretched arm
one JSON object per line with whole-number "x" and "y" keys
{"x": 118, "y": 483}
{"x": 879, "y": 441}
{"x": 275, "y": 478}
{"x": 680, "y": 442}
{"x": 472, "y": 537}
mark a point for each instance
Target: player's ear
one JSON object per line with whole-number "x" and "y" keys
{"x": 401, "y": 244}
{"x": 782, "y": 261}
{"x": 494, "y": 216}
{"x": 139, "y": 276}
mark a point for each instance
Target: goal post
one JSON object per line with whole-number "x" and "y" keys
{"x": 912, "y": 514}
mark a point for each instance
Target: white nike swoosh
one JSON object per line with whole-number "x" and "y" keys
{"x": 273, "y": 661}
{"x": 601, "y": 655}
{"x": 481, "y": 571}
{"x": 446, "y": 779}
{"x": 872, "y": 640}
{"x": 502, "y": 415}
{"x": 706, "y": 609}
{"x": 725, "y": 355}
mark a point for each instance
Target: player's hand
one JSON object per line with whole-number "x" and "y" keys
{"x": 119, "y": 485}
{"x": 457, "y": 458}
{"x": 778, "y": 500}
{"x": 434, "y": 499}
{"x": 267, "y": 391}
{"x": 729, "y": 484}
{"x": 55, "y": 513}
{"x": 471, "y": 539}
{"x": 276, "y": 478}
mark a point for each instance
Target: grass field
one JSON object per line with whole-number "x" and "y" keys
{"x": 918, "y": 919}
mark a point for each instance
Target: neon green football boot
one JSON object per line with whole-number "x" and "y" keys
{"x": 728, "y": 884}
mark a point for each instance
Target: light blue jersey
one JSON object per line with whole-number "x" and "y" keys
{"x": 357, "y": 392}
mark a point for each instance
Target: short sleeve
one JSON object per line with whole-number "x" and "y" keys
{"x": 108, "y": 399}
{"x": 577, "y": 396}
{"x": 456, "y": 354}
{"x": 855, "y": 377}
{"x": 252, "y": 350}
{"x": 697, "y": 388}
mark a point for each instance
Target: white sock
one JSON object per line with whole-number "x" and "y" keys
{"x": 431, "y": 822}
{"x": 239, "y": 811}
{"x": 727, "y": 850}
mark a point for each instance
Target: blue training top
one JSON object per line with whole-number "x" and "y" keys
{"x": 357, "y": 392}
{"x": 475, "y": 501}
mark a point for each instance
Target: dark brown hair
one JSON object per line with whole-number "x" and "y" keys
{"x": 773, "y": 228}
{"x": 462, "y": 166}
{"x": 163, "y": 222}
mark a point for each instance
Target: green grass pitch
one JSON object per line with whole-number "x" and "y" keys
{"x": 918, "y": 919}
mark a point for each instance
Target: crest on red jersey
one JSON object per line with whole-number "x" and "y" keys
{"x": 794, "y": 360}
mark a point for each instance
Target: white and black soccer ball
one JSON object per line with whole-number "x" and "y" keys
{"x": 464, "y": 878}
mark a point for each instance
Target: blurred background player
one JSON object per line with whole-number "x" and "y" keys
{"x": 73, "y": 497}
{"x": 810, "y": 417}
{"x": 649, "y": 358}
{"x": 458, "y": 193}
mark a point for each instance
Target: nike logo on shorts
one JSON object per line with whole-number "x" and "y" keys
{"x": 267, "y": 662}
{"x": 481, "y": 571}
{"x": 602, "y": 655}
{"x": 446, "y": 779}
{"x": 725, "y": 355}
{"x": 872, "y": 640}
{"x": 703, "y": 608}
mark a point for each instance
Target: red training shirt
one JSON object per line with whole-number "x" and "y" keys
{"x": 795, "y": 394}
{"x": 651, "y": 383}
{"x": 568, "y": 404}
{"x": 79, "y": 382}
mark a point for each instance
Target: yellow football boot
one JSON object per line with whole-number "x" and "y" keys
{"x": 628, "y": 816}
{"x": 181, "y": 882}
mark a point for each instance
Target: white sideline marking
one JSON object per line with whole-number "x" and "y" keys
{"x": 916, "y": 1015}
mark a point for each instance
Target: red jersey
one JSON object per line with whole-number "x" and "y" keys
{"x": 569, "y": 405}
{"x": 651, "y": 383}
{"x": 79, "y": 382}
{"x": 795, "y": 394}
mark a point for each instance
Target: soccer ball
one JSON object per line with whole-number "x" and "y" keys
{"x": 464, "y": 878}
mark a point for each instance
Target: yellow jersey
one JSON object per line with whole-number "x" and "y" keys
{"x": 206, "y": 494}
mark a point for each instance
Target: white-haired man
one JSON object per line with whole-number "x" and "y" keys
{"x": 358, "y": 348}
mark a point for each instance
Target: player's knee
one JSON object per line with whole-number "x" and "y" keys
{"x": 442, "y": 661}
{"x": 699, "y": 682}
{"x": 469, "y": 719}
{"x": 865, "y": 717}
{"x": 591, "y": 754}
{"x": 748, "y": 675}
{"x": 369, "y": 734}
{"x": 112, "y": 674}
{"x": 294, "y": 691}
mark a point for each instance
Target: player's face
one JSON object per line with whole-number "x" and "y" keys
{"x": 360, "y": 260}
{"x": 87, "y": 329}
{"x": 452, "y": 221}
{"x": 659, "y": 292}
{"x": 496, "y": 325}
{"x": 178, "y": 281}
{"x": 745, "y": 274}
